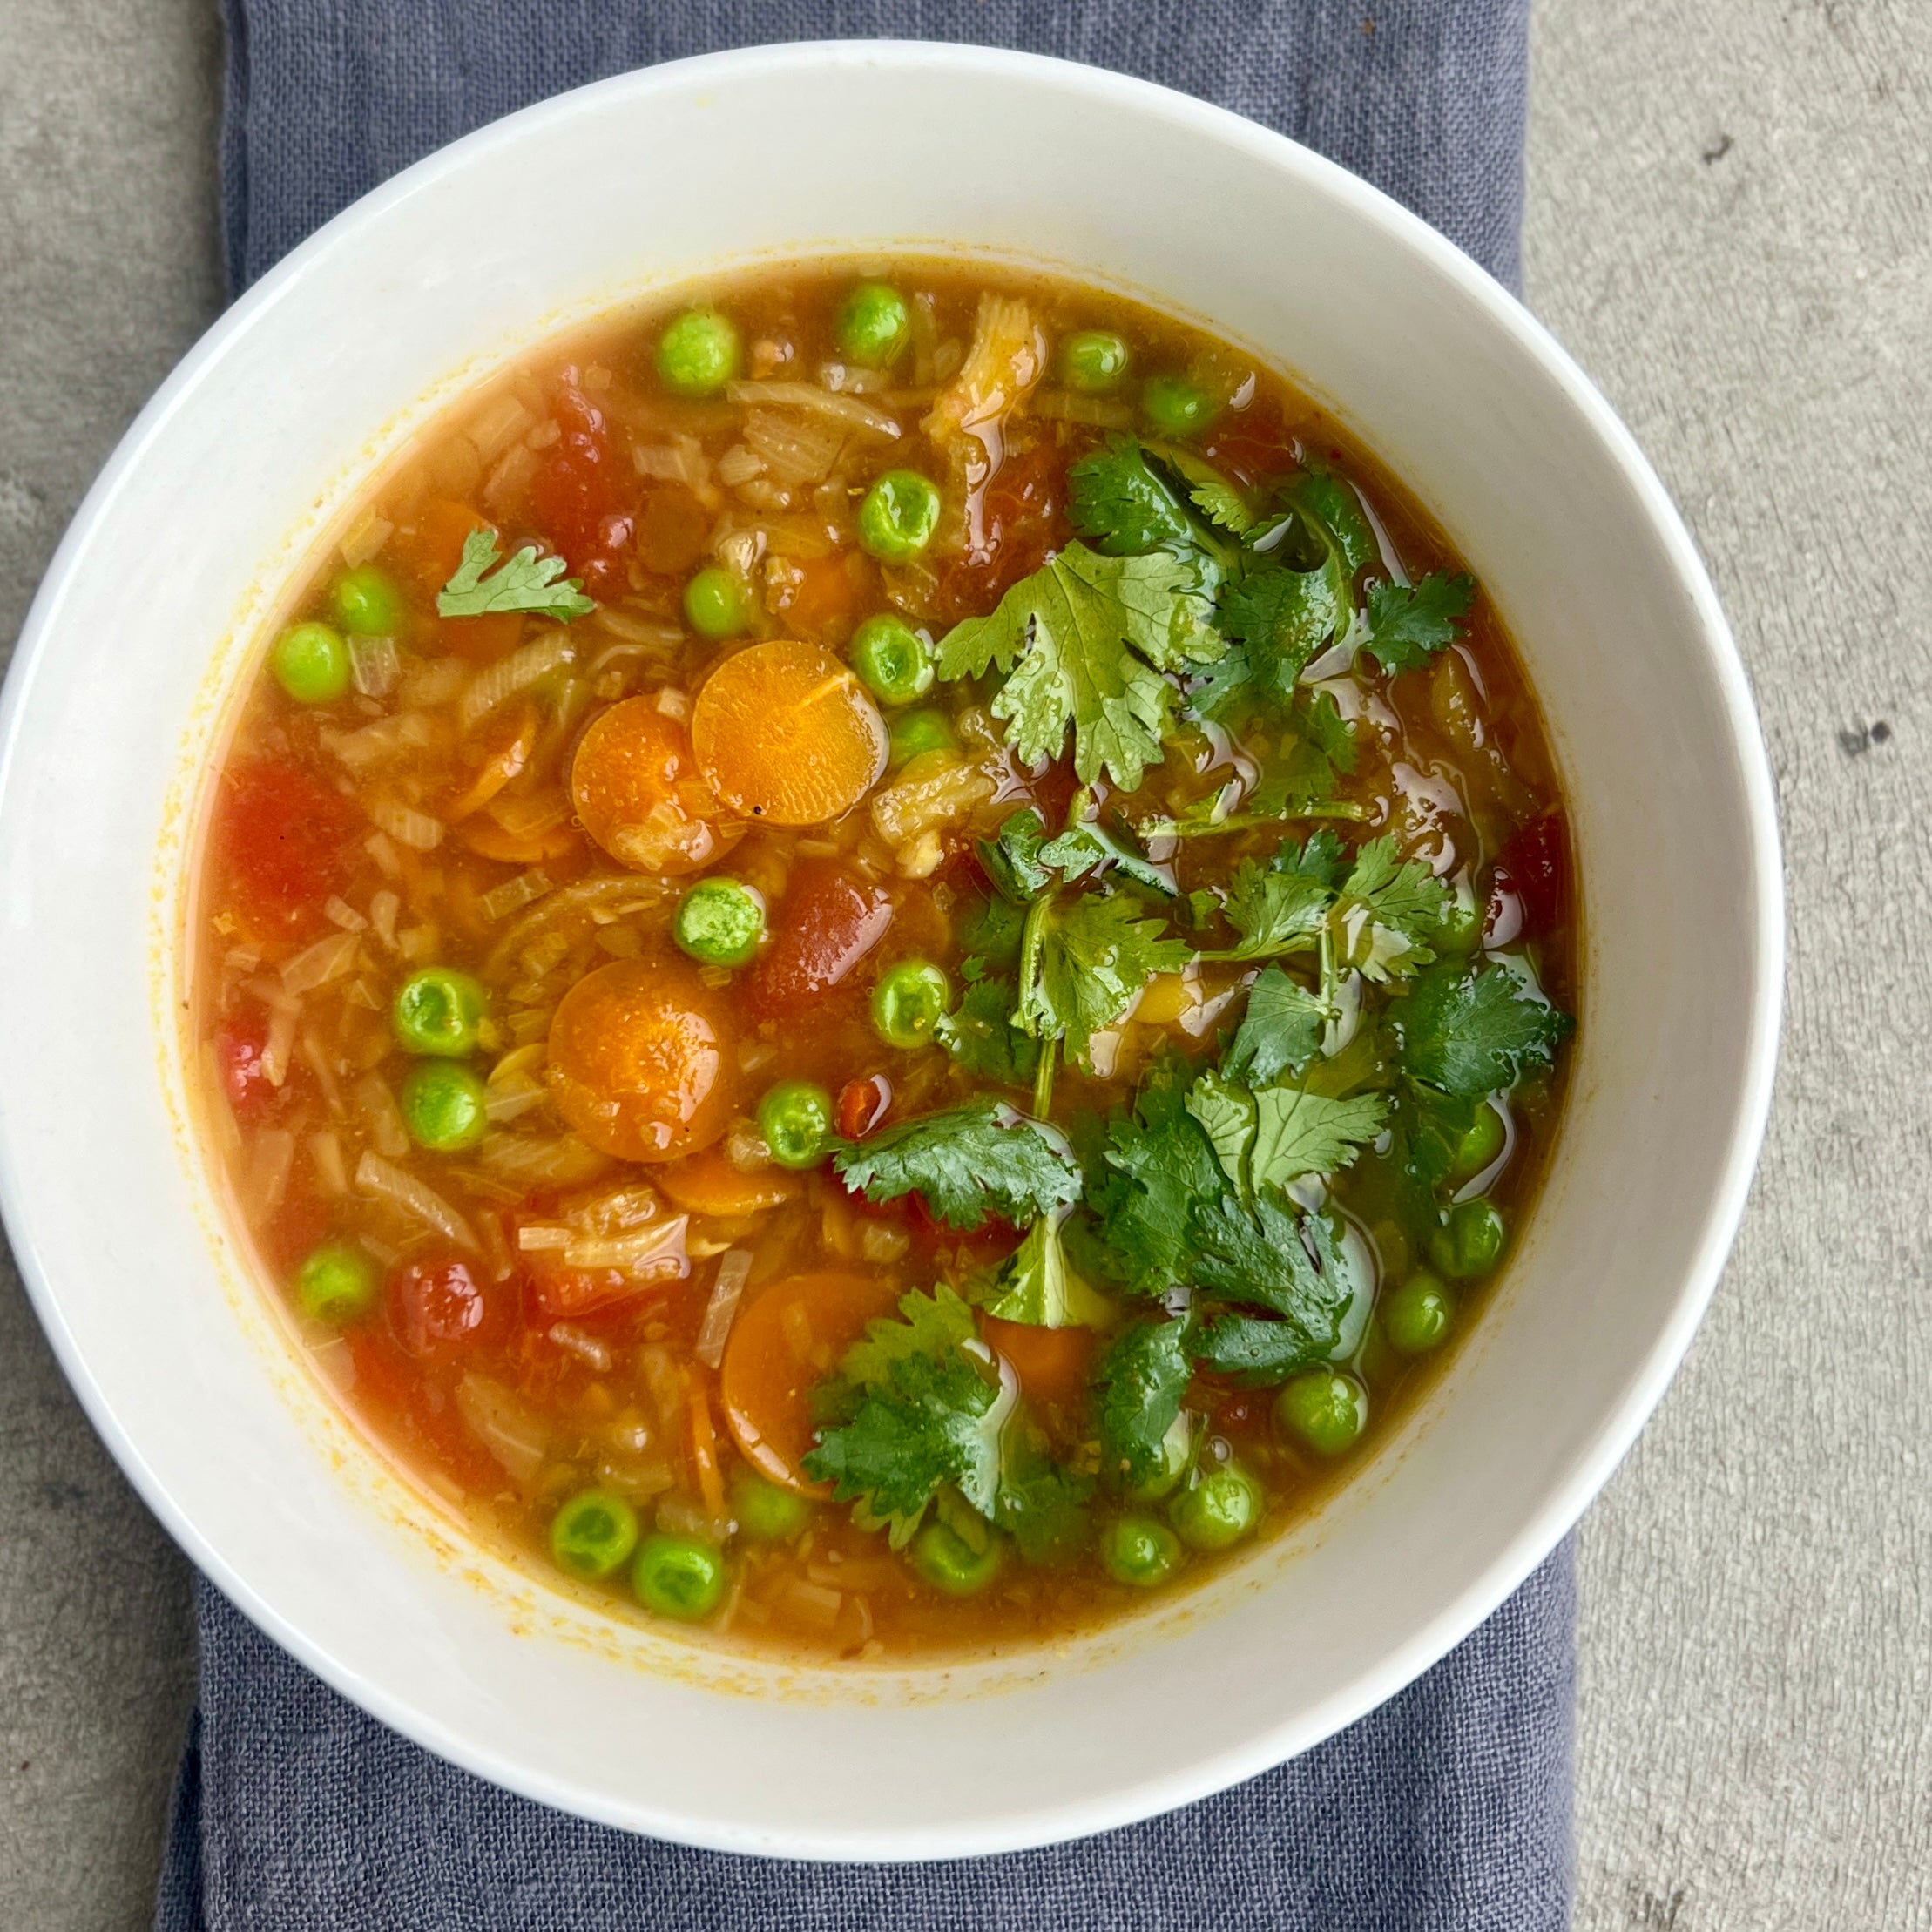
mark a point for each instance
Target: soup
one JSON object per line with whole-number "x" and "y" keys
{"x": 884, "y": 958}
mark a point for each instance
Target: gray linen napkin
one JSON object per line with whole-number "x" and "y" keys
{"x": 1447, "y": 1808}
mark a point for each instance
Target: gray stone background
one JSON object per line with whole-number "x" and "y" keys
{"x": 1731, "y": 225}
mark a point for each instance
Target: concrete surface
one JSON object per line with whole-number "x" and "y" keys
{"x": 1731, "y": 224}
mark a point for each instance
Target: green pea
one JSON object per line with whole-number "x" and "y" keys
{"x": 898, "y": 518}
{"x": 311, "y": 663}
{"x": 947, "y": 1562}
{"x": 764, "y": 1512}
{"x": 719, "y": 922}
{"x": 336, "y": 1282}
{"x": 909, "y": 1003}
{"x": 446, "y": 1107}
{"x": 892, "y": 660}
{"x": 1223, "y": 1506}
{"x": 678, "y": 1576}
{"x": 718, "y": 603}
{"x": 1323, "y": 1409}
{"x": 795, "y": 1118}
{"x": 1471, "y": 1242}
{"x": 1175, "y": 407}
{"x": 593, "y": 1533}
{"x": 1416, "y": 1317}
{"x": 1175, "y": 1447}
{"x": 874, "y": 324}
{"x": 1459, "y": 928}
{"x": 699, "y": 353}
{"x": 1092, "y": 359}
{"x": 919, "y": 732}
{"x": 1479, "y": 1147}
{"x": 439, "y": 1011}
{"x": 1139, "y": 1550}
{"x": 368, "y": 602}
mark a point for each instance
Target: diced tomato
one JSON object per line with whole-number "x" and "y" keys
{"x": 827, "y": 922}
{"x": 563, "y": 1294}
{"x": 391, "y": 1391}
{"x": 863, "y": 1105}
{"x": 287, "y": 841}
{"x": 1531, "y": 893}
{"x": 1014, "y": 521}
{"x": 820, "y": 599}
{"x": 1052, "y": 1363}
{"x": 583, "y": 496}
{"x": 438, "y": 1308}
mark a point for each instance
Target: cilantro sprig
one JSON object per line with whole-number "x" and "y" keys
{"x": 483, "y": 586}
{"x": 967, "y": 1162}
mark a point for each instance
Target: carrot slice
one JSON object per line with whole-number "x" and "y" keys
{"x": 638, "y": 795}
{"x": 708, "y": 1184}
{"x": 643, "y": 1061}
{"x": 784, "y": 732}
{"x": 1052, "y": 1363}
{"x": 782, "y": 1345}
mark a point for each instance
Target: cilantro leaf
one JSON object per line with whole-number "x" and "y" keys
{"x": 1088, "y": 846}
{"x": 980, "y": 1035}
{"x": 1262, "y": 1255}
{"x": 527, "y": 581}
{"x": 1332, "y": 513}
{"x": 1410, "y": 623}
{"x": 1321, "y": 855}
{"x": 967, "y": 1162}
{"x": 1284, "y": 617}
{"x": 1139, "y": 1383}
{"x": 1011, "y": 857}
{"x": 916, "y": 1413}
{"x": 1210, "y": 493}
{"x": 1041, "y": 1504}
{"x": 1121, "y": 505}
{"x": 1298, "y": 1134}
{"x": 1319, "y": 721}
{"x": 1272, "y": 912}
{"x": 1225, "y": 1114}
{"x": 1160, "y": 1164}
{"x": 1469, "y": 1032}
{"x": 1280, "y": 1032}
{"x": 1037, "y": 1286}
{"x": 1388, "y": 910}
{"x": 1095, "y": 955}
{"x": 1084, "y": 641}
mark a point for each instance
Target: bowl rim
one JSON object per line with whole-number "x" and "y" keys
{"x": 1571, "y": 1492}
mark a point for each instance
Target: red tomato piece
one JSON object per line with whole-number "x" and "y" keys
{"x": 438, "y": 1308}
{"x": 1530, "y": 896}
{"x": 863, "y": 1105}
{"x": 1014, "y": 521}
{"x": 563, "y": 1294}
{"x": 239, "y": 1044}
{"x": 582, "y": 494}
{"x": 827, "y": 922}
{"x": 286, "y": 839}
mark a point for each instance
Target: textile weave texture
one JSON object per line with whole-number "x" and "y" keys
{"x": 1447, "y": 1809}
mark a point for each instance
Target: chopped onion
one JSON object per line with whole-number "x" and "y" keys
{"x": 681, "y": 460}
{"x": 812, "y": 1605}
{"x": 327, "y": 960}
{"x": 269, "y": 1161}
{"x": 521, "y": 669}
{"x": 497, "y": 424}
{"x": 722, "y": 1309}
{"x": 280, "y": 1042}
{"x": 365, "y": 540}
{"x": 660, "y": 638}
{"x": 384, "y": 907}
{"x": 343, "y": 914}
{"x": 847, "y": 409}
{"x": 511, "y": 1430}
{"x": 565, "y": 1161}
{"x": 377, "y": 744}
{"x": 385, "y": 1121}
{"x": 406, "y": 825}
{"x": 655, "y": 1253}
{"x": 673, "y": 703}
{"x": 375, "y": 1176}
{"x": 578, "y": 1342}
{"x": 374, "y": 666}
{"x": 325, "y": 1155}
{"x": 540, "y": 1236}
{"x": 513, "y": 895}
{"x": 737, "y": 465}
{"x": 379, "y": 848}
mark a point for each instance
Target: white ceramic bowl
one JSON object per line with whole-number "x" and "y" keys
{"x": 145, "y": 624}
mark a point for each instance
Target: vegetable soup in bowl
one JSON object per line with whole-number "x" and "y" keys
{"x": 869, "y": 963}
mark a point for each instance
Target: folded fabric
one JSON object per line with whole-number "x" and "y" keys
{"x": 1448, "y": 1807}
